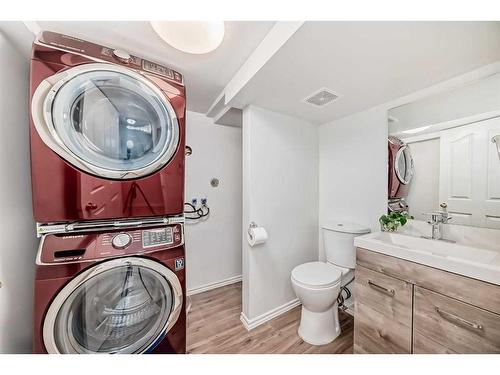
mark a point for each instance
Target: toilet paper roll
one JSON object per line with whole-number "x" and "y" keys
{"x": 256, "y": 236}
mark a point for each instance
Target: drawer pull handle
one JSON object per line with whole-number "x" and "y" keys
{"x": 389, "y": 292}
{"x": 456, "y": 319}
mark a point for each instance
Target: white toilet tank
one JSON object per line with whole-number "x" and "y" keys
{"x": 338, "y": 241}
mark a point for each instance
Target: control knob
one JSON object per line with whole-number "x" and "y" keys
{"x": 121, "y": 240}
{"x": 122, "y": 56}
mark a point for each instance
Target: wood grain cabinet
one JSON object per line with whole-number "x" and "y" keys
{"x": 383, "y": 313}
{"x": 405, "y": 307}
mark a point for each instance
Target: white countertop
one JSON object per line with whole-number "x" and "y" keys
{"x": 475, "y": 253}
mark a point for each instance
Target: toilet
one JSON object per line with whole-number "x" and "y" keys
{"x": 317, "y": 284}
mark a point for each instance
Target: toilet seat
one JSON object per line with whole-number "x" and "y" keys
{"x": 317, "y": 275}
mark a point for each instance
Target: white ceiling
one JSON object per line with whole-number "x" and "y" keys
{"x": 367, "y": 63}
{"x": 205, "y": 75}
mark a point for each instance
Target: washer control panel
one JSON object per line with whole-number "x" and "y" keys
{"x": 82, "y": 247}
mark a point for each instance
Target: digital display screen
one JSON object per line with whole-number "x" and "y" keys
{"x": 149, "y": 66}
{"x": 156, "y": 237}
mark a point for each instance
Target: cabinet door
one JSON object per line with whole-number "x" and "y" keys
{"x": 424, "y": 345}
{"x": 453, "y": 326}
{"x": 383, "y": 313}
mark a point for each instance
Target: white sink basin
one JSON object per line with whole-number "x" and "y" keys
{"x": 438, "y": 248}
{"x": 471, "y": 261}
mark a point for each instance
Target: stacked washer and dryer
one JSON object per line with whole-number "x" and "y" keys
{"x": 401, "y": 170}
{"x": 107, "y": 136}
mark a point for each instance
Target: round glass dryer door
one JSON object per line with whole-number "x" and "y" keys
{"x": 120, "y": 306}
{"x": 109, "y": 121}
{"x": 404, "y": 165}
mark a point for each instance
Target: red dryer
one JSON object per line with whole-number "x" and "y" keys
{"x": 111, "y": 292}
{"x": 107, "y": 133}
{"x": 401, "y": 169}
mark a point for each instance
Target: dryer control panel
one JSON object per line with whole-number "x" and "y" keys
{"x": 84, "y": 247}
{"x": 82, "y": 47}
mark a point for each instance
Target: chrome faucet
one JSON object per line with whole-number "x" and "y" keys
{"x": 436, "y": 218}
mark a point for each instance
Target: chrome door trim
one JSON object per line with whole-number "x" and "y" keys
{"x": 71, "y": 286}
{"x": 41, "y": 111}
{"x": 399, "y": 154}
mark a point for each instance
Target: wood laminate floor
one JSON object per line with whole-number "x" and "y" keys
{"x": 214, "y": 326}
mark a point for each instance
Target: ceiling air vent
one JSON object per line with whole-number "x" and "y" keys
{"x": 322, "y": 97}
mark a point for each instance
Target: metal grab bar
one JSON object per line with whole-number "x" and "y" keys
{"x": 456, "y": 319}
{"x": 389, "y": 292}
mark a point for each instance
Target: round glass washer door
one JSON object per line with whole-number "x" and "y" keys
{"x": 404, "y": 165}
{"x": 120, "y": 306}
{"x": 108, "y": 120}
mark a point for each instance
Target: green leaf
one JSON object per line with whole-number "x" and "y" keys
{"x": 384, "y": 219}
{"x": 394, "y": 215}
{"x": 393, "y": 220}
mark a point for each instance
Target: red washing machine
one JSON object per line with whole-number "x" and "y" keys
{"x": 401, "y": 169}
{"x": 111, "y": 292}
{"x": 107, "y": 133}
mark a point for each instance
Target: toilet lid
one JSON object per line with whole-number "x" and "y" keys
{"x": 317, "y": 274}
{"x": 346, "y": 227}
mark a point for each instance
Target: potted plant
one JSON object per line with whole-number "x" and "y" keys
{"x": 392, "y": 221}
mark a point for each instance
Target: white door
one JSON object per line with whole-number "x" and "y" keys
{"x": 470, "y": 174}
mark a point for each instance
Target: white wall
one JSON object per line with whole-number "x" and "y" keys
{"x": 17, "y": 229}
{"x": 353, "y": 169}
{"x": 280, "y": 193}
{"x": 424, "y": 189}
{"x": 213, "y": 246}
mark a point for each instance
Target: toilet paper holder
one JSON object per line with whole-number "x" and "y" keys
{"x": 250, "y": 227}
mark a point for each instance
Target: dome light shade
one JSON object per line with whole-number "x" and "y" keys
{"x": 196, "y": 37}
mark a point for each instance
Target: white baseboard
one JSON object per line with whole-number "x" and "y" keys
{"x": 215, "y": 285}
{"x": 250, "y": 324}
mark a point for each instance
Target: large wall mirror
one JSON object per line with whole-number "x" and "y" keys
{"x": 446, "y": 149}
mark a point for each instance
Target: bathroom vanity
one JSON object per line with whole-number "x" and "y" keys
{"x": 412, "y": 300}
{"x": 434, "y": 285}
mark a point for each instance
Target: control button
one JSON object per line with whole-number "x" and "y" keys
{"x": 121, "y": 240}
{"x": 122, "y": 56}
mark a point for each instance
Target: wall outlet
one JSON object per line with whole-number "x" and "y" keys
{"x": 194, "y": 201}
{"x": 203, "y": 200}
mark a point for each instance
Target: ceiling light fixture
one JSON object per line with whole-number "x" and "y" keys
{"x": 196, "y": 37}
